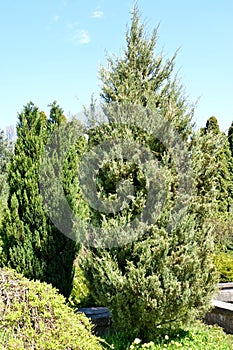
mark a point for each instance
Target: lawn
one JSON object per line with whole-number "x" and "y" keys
{"x": 197, "y": 337}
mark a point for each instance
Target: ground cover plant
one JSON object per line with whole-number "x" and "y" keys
{"x": 197, "y": 337}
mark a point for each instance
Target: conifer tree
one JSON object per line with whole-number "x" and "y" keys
{"x": 5, "y": 154}
{"x": 212, "y": 126}
{"x": 62, "y": 245}
{"x": 163, "y": 277}
{"x": 222, "y": 172}
{"x": 230, "y": 155}
{"x": 230, "y": 138}
{"x": 32, "y": 245}
{"x": 214, "y": 186}
{"x": 25, "y": 226}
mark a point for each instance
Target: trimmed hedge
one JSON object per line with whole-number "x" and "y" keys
{"x": 34, "y": 316}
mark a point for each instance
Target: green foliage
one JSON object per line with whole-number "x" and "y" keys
{"x": 212, "y": 162}
{"x": 121, "y": 169}
{"x": 213, "y": 167}
{"x": 32, "y": 245}
{"x": 224, "y": 264}
{"x": 230, "y": 138}
{"x": 80, "y": 295}
{"x": 34, "y": 316}
{"x": 5, "y": 155}
{"x": 161, "y": 277}
{"x": 215, "y": 182}
{"x": 163, "y": 280}
{"x": 222, "y": 228}
{"x": 198, "y": 337}
{"x": 212, "y": 126}
{"x": 25, "y": 222}
{"x": 141, "y": 78}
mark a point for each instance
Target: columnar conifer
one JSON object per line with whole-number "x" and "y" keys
{"x": 32, "y": 244}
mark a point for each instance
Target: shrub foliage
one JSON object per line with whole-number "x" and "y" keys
{"x": 34, "y": 316}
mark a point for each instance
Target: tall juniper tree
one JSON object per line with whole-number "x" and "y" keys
{"x": 163, "y": 277}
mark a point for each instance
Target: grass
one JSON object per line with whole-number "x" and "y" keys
{"x": 197, "y": 337}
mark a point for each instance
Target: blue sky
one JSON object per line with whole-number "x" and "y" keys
{"x": 52, "y": 50}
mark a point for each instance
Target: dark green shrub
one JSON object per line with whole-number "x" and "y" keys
{"x": 224, "y": 264}
{"x": 34, "y": 316}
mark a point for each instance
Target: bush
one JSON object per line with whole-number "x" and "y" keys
{"x": 34, "y": 316}
{"x": 224, "y": 264}
{"x": 80, "y": 295}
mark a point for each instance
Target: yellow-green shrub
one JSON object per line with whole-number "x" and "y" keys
{"x": 224, "y": 264}
{"x": 34, "y": 316}
{"x": 80, "y": 295}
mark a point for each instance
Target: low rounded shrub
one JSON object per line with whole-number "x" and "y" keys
{"x": 224, "y": 265}
{"x": 34, "y": 316}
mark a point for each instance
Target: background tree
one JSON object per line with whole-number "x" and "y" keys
{"x": 230, "y": 138}
{"x": 215, "y": 145}
{"x": 212, "y": 126}
{"x": 62, "y": 246}
{"x": 215, "y": 181}
{"x": 32, "y": 245}
{"x": 5, "y": 154}
{"x": 24, "y": 226}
